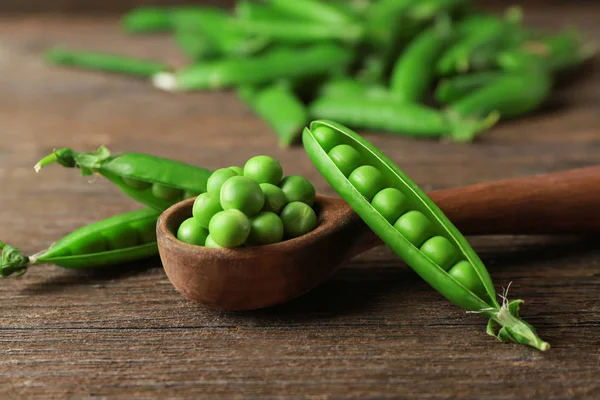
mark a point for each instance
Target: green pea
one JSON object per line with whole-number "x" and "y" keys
{"x": 229, "y": 228}
{"x": 465, "y": 274}
{"x": 242, "y": 193}
{"x": 265, "y": 228}
{"x": 346, "y": 158}
{"x": 205, "y": 207}
{"x": 93, "y": 245}
{"x": 368, "y": 180}
{"x": 264, "y": 169}
{"x": 211, "y": 243}
{"x": 136, "y": 184}
{"x": 121, "y": 237}
{"x": 415, "y": 227}
{"x": 166, "y": 192}
{"x": 218, "y": 178}
{"x": 440, "y": 251}
{"x": 298, "y": 219}
{"x": 191, "y": 232}
{"x": 296, "y": 188}
{"x": 187, "y": 194}
{"x": 390, "y": 203}
{"x": 274, "y": 198}
{"x": 326, "y": 137}
{"x": 238, "y": 170}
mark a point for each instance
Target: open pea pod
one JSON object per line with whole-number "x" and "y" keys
{"x": 153, "y": 181}
{"x": 115, "y": 240}
{"x": 402, "y": 215}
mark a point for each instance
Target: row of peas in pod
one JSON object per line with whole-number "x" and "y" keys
{"x": 397, "y": 209}
{"x": 441, "y": 69}
{"x": 250, "y": 206}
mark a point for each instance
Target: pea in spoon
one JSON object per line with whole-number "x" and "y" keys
{"x": 262, "y": 276}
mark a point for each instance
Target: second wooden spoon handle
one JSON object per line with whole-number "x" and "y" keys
{"x": 562, "y": 202}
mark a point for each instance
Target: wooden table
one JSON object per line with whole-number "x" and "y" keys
{"x": 374, "y": 331}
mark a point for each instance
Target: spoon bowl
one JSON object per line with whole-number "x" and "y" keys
{"x": 256, "y": 277}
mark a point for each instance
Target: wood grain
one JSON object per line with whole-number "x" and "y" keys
{"x": 373, "y": 331}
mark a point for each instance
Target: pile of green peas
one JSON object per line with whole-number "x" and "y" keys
{"x": 398, "y": 210}
{"x": 250, "y": 206}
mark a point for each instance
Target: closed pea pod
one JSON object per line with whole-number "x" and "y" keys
{"x": 280, "y": 107}
{"x": 511, "y": 95}
{"x": 414, "y": 71}
{"x": 101, "y": 61}
{"x": 119, "y": 239}
{"x": 278, "y": 63}
{"x": 396, "y": 117}
{"x": 153, "y": 181}
{"x": 460, "y": 289}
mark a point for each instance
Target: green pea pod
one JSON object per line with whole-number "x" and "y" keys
{"x": 312, "y": 10}
{"x": 154, "y": 181}
{"x": 279, "y": 106}
{"x": 300, "y": 32}
{"x": 382, "y": 19}
{"x": 422, "y": 236}
{"x": 347, "y": 87}
{"x": 99, "y": 61}
{"x": 489, "y": 39}
{"x": 555, "y": 53}
{"x": 119, "y": 239}
{"x": 279, "y": 63}
{"x": 396, "y": 117}
{"x": 219, "y": 29}
{"x": 511, "y": 95}
{"x": 453, "y": 89}
{"x": 147, "y": 19}
{"x": 414, "y": 71}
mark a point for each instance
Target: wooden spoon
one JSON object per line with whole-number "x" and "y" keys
{"x": 257, "y": 277}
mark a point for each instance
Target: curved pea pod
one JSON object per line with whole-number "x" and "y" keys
{"x": 392, "y": 116}
{"x": 153, "y": 181}
{"x": 312, "y": 10}
{"x": 119, "y": 239}
{"x": 414, "y": 71}
{"x": 279, "y": 63}
{"x": 423, "y": 236}
{"x": 453, "y": 89}
{"x": 511, "y": 95}
{"x": 279, "y": 106}
{"x": 108, "y": 62}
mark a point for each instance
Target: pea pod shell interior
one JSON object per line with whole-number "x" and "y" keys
{"x": 430, "y": 272}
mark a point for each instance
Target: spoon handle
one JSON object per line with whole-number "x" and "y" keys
{"x": 556, "y": 203}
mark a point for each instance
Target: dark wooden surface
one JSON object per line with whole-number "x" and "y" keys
{"x": 373, "y": 331}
